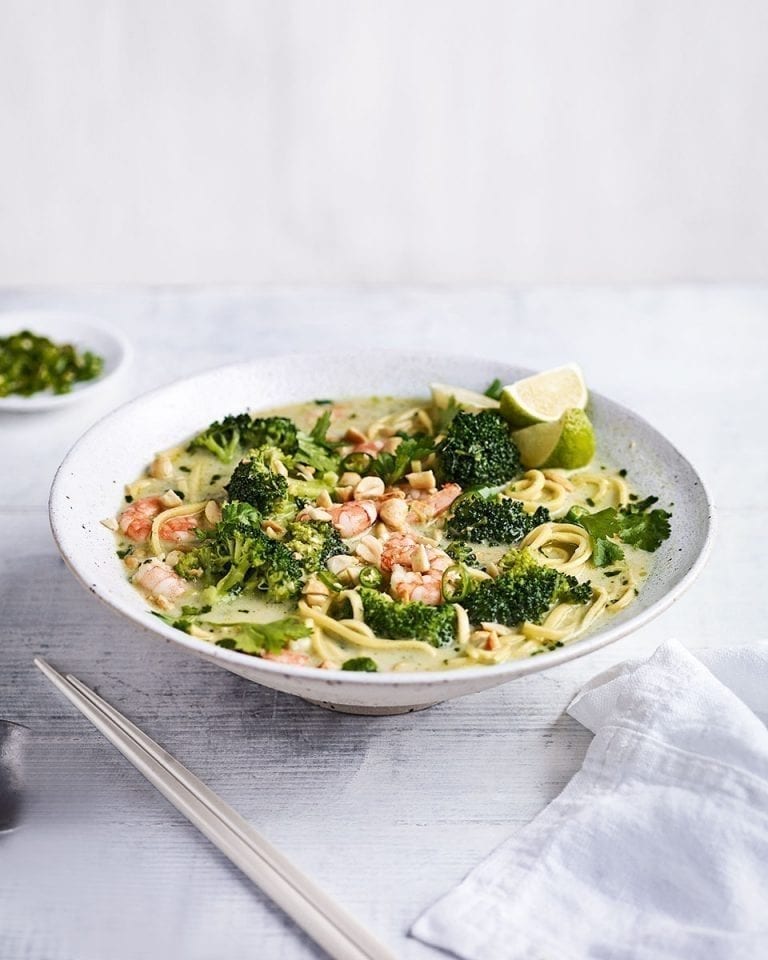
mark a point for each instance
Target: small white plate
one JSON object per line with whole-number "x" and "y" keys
{"x": 63, "y": 328}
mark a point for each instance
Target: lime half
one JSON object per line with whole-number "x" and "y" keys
{"x": 544, "y": 397}
{"x": 568, "y": 442}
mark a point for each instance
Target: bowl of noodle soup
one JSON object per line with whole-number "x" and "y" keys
{"x": 118, "y": 449}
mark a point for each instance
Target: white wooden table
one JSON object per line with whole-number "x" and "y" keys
{"x": 387, "y": 813}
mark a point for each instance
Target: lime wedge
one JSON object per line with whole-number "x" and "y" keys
{"x": 467, "y": 400}
{"x": 568, "y": 442}
{"x": 544, "y": 397}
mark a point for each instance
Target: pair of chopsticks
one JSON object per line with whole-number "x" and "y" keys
{"x": 314, "y": 911}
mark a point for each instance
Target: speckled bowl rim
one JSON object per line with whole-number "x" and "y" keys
{"x": 351, "y": 679}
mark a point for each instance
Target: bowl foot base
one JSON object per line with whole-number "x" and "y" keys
{"x": 365, "y": 711}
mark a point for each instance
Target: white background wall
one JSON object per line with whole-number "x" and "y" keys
{"x": 383, "y": 140}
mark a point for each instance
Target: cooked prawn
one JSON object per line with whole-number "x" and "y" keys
{"x": 400, "y": 555}
{"x": 398, "y": 550}
{"x": 179, "y": 529}
{"x": 432, "y": 504}
{"x": 288, "y": 656}
{"x": 353, "y": 518}
{"x": 159, "y": 580}
{"x": 136, "y": 520}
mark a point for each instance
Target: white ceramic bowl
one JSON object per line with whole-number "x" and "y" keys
{"x": 64, "y": 328}
{"x": 89, "y": 485}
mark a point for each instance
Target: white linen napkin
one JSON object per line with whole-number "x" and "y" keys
{"x": 658, "y": 847}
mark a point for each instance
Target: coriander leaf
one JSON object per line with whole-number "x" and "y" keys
{"x": 605, "y": 523}
{"x": 644, "y": 530}
{"x": 320, "y": 429}
{"x": 260, "y": 638}
{"x": 314, "y": 448}
{"x": 605, "y": 552}
{"x": 635, "y": 525}
{"x": 391, "y": 467}
{"x": 315, "y": 455}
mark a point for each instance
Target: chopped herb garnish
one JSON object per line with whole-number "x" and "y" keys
{"x": 186, "y": 469}
{"x": 179, "y": 494}
{"x": 323, "y": 403}
{"x": 128, "y": 498}
{"x": 30, "y": 364}
{"x": 180, "y": 623}
{"x": 622, "y": 472}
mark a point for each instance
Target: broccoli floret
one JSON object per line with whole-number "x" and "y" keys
{"x": 281, "y": 575}
{"x": 573, "y": 591}
{"x": 518, "y": 562}
{"x": 492, "y": 520}
{"x": 462, "y": 553}
{"x": 191, "y": 565}
{"x": 524, "y": 591}
{"x": 224, "y": 438}
{"x": 521, "y": 563}
{"x": 225, "y": 549}
{"x": 256, "y": 481}
{"x": 415, "y": 620}
{"x": 277, "y": 432}
{"x": 260, "y": 481}
{"x": 312, "y": 543}
{"x": 237, "y": 555}
{"x": 363, "y": 664}
{"x": 477, "y": 450}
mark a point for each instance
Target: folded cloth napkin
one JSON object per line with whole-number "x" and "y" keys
{"x": 658, "y": 847}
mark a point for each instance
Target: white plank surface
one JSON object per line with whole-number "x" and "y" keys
{"x": 386, "y": 812}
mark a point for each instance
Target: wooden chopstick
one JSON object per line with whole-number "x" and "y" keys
{"x": 327, "y": 923}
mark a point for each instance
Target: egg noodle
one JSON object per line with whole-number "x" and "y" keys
{"x": 368, "y": 544}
